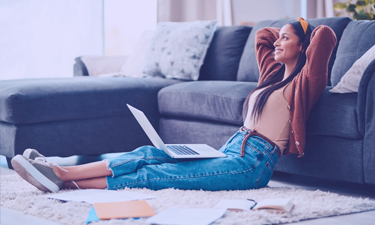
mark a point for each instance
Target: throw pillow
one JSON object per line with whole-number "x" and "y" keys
{"x": 99, "y": 65}
{"x": 133, "y": 67}
{"x": 177, "y": 49}
{"x": 351, "y": 79}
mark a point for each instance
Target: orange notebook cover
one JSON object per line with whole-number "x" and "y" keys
{"x": 119, "y": 210}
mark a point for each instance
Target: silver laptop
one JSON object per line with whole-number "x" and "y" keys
{"x": 175, "y": 150}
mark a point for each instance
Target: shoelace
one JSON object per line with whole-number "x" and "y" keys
{"x": 44, "y": 161}
{"x": 75, "y": 184}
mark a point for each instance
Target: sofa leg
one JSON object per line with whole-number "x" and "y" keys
{"x": 9, "y": 164}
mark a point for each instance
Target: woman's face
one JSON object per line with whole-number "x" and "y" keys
{"x": 288, "y": 46}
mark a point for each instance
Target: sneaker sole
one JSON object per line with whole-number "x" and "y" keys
{"x": 29, "y": 173}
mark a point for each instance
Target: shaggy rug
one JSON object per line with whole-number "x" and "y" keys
{"x": 17, "y": 194}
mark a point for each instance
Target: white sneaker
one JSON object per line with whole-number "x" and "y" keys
{"x": 38, "y": 172}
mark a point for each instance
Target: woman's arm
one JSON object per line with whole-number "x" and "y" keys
{"x": 322, "y": 42}
{"x": 265, "y": 52}
{"x": 315, "y": 71}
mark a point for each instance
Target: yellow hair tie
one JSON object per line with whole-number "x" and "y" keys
{"x": 303, "y": 23}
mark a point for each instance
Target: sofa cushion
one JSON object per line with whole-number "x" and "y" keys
{"x": 42, "y": 100}
{"x": 220, "y": 101}
{"x": 355, "y": 42}
{"x": 334, "y": 115}
{"x": 177, "y": 49}
{"x": 248, "y": 68}
{"x": 224, "y": 54}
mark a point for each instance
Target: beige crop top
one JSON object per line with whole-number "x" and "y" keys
{"x": 274, "y": 121}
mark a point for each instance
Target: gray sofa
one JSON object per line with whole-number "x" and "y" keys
{"x": 88, "y": 116}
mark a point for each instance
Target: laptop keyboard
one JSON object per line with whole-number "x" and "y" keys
{"x": 182, "y": 150}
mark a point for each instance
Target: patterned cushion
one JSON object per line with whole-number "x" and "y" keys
{"x": 177, "y": 50}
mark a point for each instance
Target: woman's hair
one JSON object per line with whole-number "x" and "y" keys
{"x": 278, "y": 76}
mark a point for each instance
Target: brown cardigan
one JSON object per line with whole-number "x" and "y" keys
{"x": 307, "y": 86}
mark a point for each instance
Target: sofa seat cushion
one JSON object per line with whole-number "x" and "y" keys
{"x": 220, "y": 101}
{"x": 334, "y": 115}
{"x": 43, "y": 100}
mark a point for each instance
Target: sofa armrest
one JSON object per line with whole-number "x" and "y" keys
{"x": 366, "y": 98}
{"x": 96, "y": 65}
{"x": 366, "y": 121}
{"x": 79, "y": 68}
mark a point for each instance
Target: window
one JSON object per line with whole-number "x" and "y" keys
{"x": 41, "y": 38}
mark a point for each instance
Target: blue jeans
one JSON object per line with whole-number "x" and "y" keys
{"x": 149, "y": 167}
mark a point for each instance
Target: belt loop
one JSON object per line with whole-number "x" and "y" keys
{"x": 249, "y": 133}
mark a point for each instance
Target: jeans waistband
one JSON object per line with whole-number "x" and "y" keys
{"x": 255, "y": 133}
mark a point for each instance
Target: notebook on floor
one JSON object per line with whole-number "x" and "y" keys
{"x": 174, "y": 150}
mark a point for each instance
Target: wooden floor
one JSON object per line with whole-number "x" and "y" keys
{"x": 12, "y": 217}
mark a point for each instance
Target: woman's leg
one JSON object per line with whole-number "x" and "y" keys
{"x": 92, "y": 175}
{"x": 146, "y": 155}
{"x": 93, "y": 183}
{"x": 231, "y": 173}
{"x": 50, "y": 177}
{"x": 82, "y": 172}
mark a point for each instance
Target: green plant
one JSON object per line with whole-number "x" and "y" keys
{"x": 359, "y": 10}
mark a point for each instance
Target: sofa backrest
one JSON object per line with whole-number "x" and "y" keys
{"x": 224, "y": 53}
{"x": 358, "y": 37}
{"x": 248, "y": 68}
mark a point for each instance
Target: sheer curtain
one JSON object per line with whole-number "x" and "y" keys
{"x": 125, "y": 21}
{"x": 186, "y": 10}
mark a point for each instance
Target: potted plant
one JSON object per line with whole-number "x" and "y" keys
{"x": 358, "y": 10}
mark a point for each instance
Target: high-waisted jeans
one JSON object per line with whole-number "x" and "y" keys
{"x": 149, "y": 167}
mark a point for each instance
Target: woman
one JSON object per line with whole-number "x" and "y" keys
{"x": 293, "y": 75}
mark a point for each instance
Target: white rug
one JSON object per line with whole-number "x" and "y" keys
{"x": 19, "y": 195}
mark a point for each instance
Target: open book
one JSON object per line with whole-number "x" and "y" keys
{"x": 279, "y": 204}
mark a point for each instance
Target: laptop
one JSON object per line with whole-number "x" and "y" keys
{"x": 182, "y": 151}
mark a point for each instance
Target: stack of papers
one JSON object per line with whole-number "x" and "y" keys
{"x": 109, "y": 204}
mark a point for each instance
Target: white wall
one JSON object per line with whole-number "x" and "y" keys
{"x": 41, "y": 38}
{"x": 124, "y": 22}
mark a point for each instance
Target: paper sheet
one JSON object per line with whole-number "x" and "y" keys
{"x": 94, "y": 196}
{"x": 178, "y": 216}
